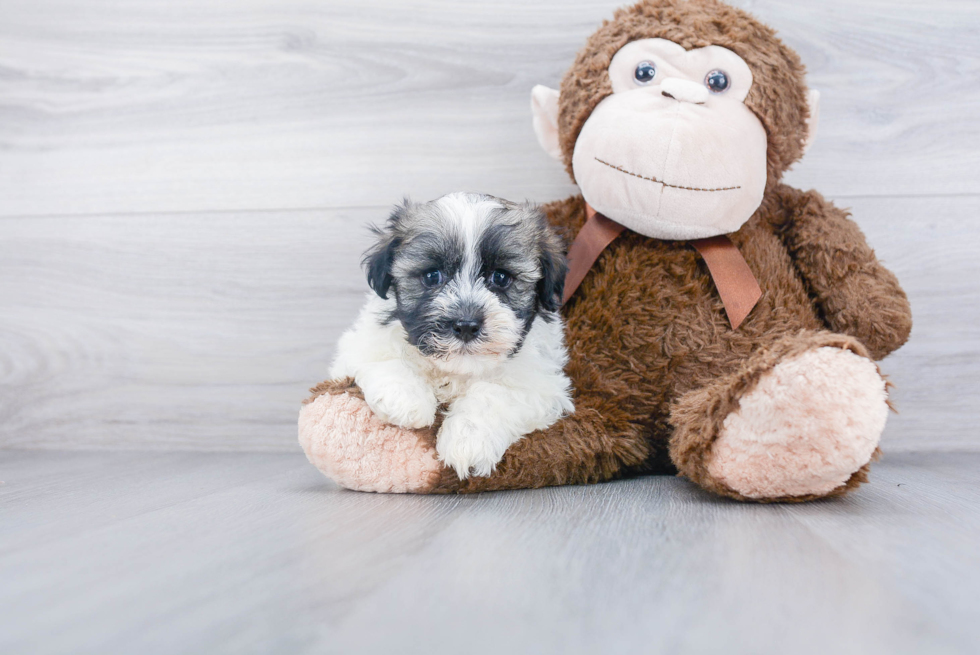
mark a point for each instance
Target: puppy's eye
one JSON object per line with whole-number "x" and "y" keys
{"x": 644, "y": 73}
{"x": 501, "y": 279}
{"x": 717, "y": 81}
{"x": 431, "y": 279}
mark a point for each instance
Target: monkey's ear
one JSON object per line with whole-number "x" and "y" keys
{"x": 378, "y": 260}
{"x": 544, "y": 110}
{"x": 813, "y": 101}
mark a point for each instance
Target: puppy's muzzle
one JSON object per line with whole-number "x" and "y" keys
{"x": 467, "y": 329}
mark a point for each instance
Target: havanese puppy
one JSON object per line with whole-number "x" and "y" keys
{"x": 464, "y": 315}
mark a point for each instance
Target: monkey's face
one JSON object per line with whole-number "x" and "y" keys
{"x": 674, "y": 153}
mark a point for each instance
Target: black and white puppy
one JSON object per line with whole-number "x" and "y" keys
{"x": 465, "y": 313}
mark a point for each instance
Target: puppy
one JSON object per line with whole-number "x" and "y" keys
{"x": 464, "y": 313}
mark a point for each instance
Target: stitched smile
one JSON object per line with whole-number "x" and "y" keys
{"x": 653, "y": 179}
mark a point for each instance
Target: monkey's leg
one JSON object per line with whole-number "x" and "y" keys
{"x": 798, "y": 421}
{"x": 343, "y": 438}
{"x": 354, "y": 448}
{"x": 579, "y": 449}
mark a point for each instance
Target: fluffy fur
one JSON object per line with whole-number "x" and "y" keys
{"x": 657, "y": 370}
{"x": 464, "y": 316}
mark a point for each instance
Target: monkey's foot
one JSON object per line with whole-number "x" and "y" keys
{"x": 808, "y": 425}
{"x": 351, "y": 446}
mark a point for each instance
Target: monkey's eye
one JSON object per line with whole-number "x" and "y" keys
{"x": 501, "y": 279}
{"x": 717, "y": 81}
{"x": 431, "y": 279}
{"x": 645, "y": 72}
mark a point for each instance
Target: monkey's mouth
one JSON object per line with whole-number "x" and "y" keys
{"x": 666, "y": 184}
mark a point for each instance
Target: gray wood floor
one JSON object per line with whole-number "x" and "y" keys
{"x": 256, "y": 553}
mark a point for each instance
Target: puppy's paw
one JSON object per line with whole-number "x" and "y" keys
{"x": 471, "y": 446}
{"x": 403, "y": 402}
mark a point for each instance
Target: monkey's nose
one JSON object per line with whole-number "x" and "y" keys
{"x": 466, "y": 329}
{"x": 684, "y": 90}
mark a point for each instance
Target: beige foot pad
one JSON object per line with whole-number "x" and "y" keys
{"x": 808, "y": 425}
{"x": 352, "y": 447}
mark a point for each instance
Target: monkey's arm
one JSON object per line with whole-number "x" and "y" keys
{"x": 856, "y": 294}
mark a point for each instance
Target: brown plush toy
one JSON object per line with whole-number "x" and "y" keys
{"x": 725, "y": 327}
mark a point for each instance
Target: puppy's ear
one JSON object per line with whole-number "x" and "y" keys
{"x": 379, "y": 258}
{"x": 554, "y": 266}
{"x": 377, "y": 264}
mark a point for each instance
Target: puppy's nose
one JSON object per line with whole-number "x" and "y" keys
{"x": 466, "y": 329}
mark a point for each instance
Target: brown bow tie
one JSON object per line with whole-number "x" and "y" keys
{"x": 737, "y": 286}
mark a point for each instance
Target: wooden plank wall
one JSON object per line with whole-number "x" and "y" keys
{"x": 184, "y": 188}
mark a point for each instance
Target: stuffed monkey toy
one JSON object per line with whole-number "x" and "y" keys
{"x": 720, "y": 324}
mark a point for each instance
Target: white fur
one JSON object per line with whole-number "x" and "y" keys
{"x": 493, "y": 400}
{"x": 494, "y": 395}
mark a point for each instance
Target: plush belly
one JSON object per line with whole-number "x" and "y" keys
{"x": 649, "y": 312}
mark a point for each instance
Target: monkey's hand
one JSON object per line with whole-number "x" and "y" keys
{"x": 396, "y": 394}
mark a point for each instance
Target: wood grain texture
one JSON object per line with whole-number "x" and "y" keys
{"x": 247, "y": 553}
{"x": 175, "y": 105}
{"x": 186, "y": 331}
{"x": 204, "y": 331}
{"x": 160, "y": 289}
